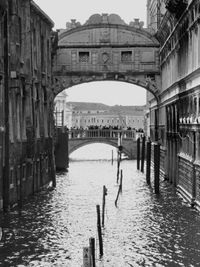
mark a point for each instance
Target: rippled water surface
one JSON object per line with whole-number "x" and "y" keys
{"x": 143, "y": 230}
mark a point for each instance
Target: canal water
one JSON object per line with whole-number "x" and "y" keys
{"x": 143, "y": 230}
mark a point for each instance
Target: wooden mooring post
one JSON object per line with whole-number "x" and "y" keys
{"x": 89, "y": 254}
{"x": 86, "y": 257}
{"x": 118, "y": 166}
{"x": 112, "y": 158}
{"x": 92, "y": 251}
{"x": 99, "y": 231}
{"x": 119, "y": 189}
{"x": 148, "y": 162}
{"x": 157, "y": 168}
{"x": 138, "y": 153}
{"x": 103, "y": 204}
{"x": 143, "y": 153}
{"x": 121, "y": 178}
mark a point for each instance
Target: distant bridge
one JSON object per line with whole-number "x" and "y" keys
{"x": 69, "y": 141}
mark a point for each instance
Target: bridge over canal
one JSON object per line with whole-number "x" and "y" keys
{"x": 105, "y": 48}
{"x": 69, "y": 141}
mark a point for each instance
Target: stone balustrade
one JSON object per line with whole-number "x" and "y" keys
{"x": 102, "y": 133}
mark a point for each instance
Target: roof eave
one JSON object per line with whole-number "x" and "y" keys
{"x": 42, "y": 13}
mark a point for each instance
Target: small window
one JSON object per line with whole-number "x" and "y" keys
{"x": 84, "y": 56}
{"x": 126, "y": 56}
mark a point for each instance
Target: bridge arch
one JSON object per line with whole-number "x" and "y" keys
{"x": 78, "y": 144}
{"x": 67, "y": 82}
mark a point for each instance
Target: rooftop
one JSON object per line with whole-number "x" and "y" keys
{"x": 117, "y": 109}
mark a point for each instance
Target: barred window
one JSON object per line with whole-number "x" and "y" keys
{"x": 83, "y": 56}
{"x": 126, "y": 56}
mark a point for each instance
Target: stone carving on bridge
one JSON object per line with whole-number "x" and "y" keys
{"x": 137, "y": 23}
{"x": 105, "y": 57}
{"x": 63, "y": 82}
{"x": 105, "y": 37}
{"x": 73, "y": 24}
{"x": 76, "y": 80}
{"x": 105, "y": 19}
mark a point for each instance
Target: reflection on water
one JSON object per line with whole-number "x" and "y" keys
{"x": 145, "y": 230}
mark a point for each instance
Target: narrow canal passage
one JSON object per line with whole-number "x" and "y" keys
{"x": 144, "y": 230}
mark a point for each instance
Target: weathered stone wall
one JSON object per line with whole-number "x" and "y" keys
{"x": 2, "y": 100}
{"x": 162, "y": 162}
{"x": 30, "y": 132}
{"x": 185, "y": 181}
{"x": 197, "y": 172}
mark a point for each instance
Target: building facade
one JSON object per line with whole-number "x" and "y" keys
{"x": 26, "y": 128}
{"x": 85, "y": 115}
{"x": 62, "y": 111}
{"x": 178, "y": 31}
{"x": 3, "y": 24}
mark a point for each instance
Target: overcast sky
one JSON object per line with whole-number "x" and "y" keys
{"x": 110, "y": 93}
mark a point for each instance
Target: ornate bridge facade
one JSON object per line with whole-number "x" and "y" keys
{"x": 69, "y": 141}
{"x": 105, "y": 48}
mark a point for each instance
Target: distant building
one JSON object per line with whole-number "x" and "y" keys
{"x": 97, "y": 114}
{"x": 155, "y": 12}
{"x": 59, "y": 108}
{"x": 62, "y": 111}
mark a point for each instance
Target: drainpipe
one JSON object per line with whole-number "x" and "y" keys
{"x": 6, "y": 182}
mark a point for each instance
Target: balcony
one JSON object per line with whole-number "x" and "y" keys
{"x": 176, "y": 7}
